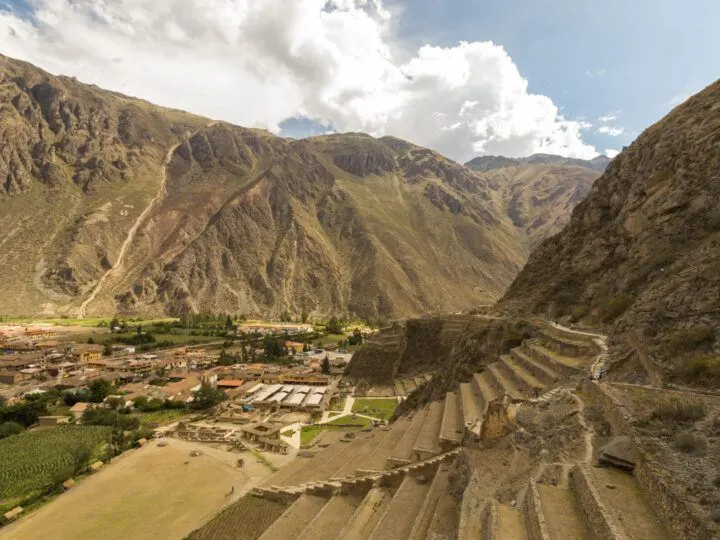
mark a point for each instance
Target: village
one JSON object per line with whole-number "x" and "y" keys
{"x": 255, "y": 395}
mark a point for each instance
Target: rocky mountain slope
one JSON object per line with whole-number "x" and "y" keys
{"x": 113, "y": 204}
{"x": 642, "y": 251}
{"x": 487, "y": 163}
{"x": 540, "y": 198}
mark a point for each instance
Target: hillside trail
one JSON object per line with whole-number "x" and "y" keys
{"x": 131, "y": 234}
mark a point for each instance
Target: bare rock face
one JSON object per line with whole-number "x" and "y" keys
{"x": 642, "y": 252}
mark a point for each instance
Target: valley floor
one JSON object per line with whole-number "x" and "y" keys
{"x": 152, "y": 492}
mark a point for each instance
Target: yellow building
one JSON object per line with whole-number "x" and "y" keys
{"x": 86, "y": 353}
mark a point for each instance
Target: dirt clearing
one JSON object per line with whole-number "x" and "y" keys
{"x": 152, "y": 492}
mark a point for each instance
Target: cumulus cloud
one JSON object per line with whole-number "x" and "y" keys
{"x": 611, "y": 153}
{"x": 259, "y": 62}
{"x": 611, "y": 131}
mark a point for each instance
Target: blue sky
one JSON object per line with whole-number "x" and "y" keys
{"x": 465, "y": 77}
{"x": 638, "y": 57}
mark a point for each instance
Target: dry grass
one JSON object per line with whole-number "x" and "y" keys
{"x": 140, "y": 490}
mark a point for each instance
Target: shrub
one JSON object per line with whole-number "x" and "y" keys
{"x": 702, "y": 370}
{"x": 577, "y": 313}
{"x": 676, "y": 411}
{"x": 690, "y": 339}
{"x": 616, "y": 306}
{"x": 689, "y": 442}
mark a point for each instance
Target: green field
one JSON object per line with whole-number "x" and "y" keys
{"x": 161, "y": 417}
{"x": 35, "y": 462}
{"x": 345, "y": 423}
{"x": 90, "y": 322}
{"x": 382, "y": 409}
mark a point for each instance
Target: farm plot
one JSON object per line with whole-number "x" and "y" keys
{"x": 246, "y": 519}
{"x": 34, "y": 462}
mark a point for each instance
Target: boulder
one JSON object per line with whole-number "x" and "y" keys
{"x": 619, "y": 452}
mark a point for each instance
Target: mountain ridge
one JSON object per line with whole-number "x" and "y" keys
{"x": 114, "y": 204}
{"x": 488, "y": 163}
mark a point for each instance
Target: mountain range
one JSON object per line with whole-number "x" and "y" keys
{"x": 112, "y": 204}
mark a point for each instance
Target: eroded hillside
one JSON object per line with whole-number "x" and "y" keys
{"x": 642, "y": 252}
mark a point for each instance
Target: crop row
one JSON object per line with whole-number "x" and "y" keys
{"x": 33, "y": 460}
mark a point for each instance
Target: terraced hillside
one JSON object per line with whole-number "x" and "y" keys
{"x": 509, "y": 454}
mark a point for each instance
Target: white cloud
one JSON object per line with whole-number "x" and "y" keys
{"x": 258, "y": 62}
{"x": 611, "y": 131}
{"x": 608, "y": 118}
{"x": 595, "y": 73}
{"x": 611, "y": 153}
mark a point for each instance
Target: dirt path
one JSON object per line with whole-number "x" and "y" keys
{"x": 131, "y": 235}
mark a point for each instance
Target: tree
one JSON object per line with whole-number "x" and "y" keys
{"x": 99, "y": 390}
{"x": 304, "y": 316}
{"x": 114, "y": 323}
{"x": 334, "y": 326}
{"x": 107, "y": 349}
{"x": 273, "y": 347}
{"x": 207, "y": 397}
{"x": 3, "y": 401}
{"x": 326, "y": 367}
{"x": 10, "y": 428}
{"x": 285, "y": 317}
{"x": 228, "y": 323}
{"x": 139, "y": 329}
{"x": 90, "y": 341}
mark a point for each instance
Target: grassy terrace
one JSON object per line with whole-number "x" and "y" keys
{"x": 381, "y": 408}
{"x": 345, "y": 423}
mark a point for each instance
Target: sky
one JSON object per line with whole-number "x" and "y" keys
{"x": 464, "y": 77}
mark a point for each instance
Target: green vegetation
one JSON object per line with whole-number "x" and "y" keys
{"x": 350, "y": 421}
{"x": 345, "y": 423}
{"x": 690, "y": 339}
{"x": 382, "y": 409}
{"x": 689, "y": 442}
{"x": 308, "y": 434}
{"x": 700, "y": 370}
{"x": 616, "y": 306}
{"x": 676, "y": 411}
{"x": 207, "y": 397}
{"x": 38, "y": 462}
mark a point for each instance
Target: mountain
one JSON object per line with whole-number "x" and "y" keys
{"x": 111, "y": 203}
{"x": 487, "y": 163}
{"x": 538, "y": 199}
{"x": 642, "y": 251}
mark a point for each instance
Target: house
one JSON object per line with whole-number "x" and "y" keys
{"x": 86, "y": 353}
{"x": 295, "y": 346}
{"x": 227, "y": 384}
{"x": 79, "y": 409}
{"x": 182, "y": 390}
{"x": 39, "y": 333}
{"x": 12, "y": 377}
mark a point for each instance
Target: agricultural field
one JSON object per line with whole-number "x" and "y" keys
{"x": 147, "y": 493}
{"x": 382, "y": 409}
{"x": 246, "y": 519}
{"x": 34, "y": 462}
